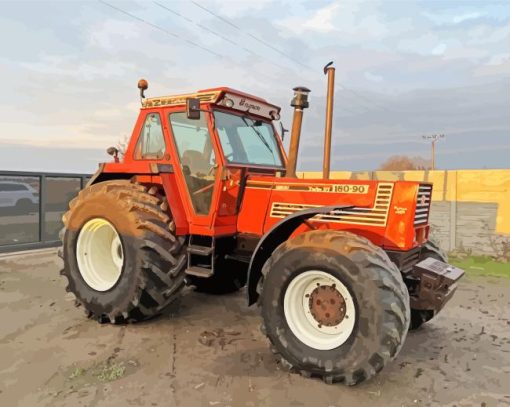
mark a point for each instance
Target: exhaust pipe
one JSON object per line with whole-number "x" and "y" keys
{"x": 330, "y": 71}
{"x": 299, "y": 102}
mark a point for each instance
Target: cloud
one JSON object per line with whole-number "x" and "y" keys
{"x": 74, "y": 67}
{"x": 351, "y": 21}
{"x": 465, "y": 17}
{"x": 373, "y": 77}
{"x": 322, "y": 19}
{"x": 107, "y": 34}
{"x": 72, "y": 76}
{"x": 439, "y": 49}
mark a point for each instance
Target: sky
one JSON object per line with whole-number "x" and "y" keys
{"x": 404, "y": 69}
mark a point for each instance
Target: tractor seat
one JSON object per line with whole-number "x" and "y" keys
{"x": 195, "y": 161}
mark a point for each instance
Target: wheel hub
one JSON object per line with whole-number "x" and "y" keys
{"x": 327, "y": 305}
{"x": 99, "y": 254}
{"x": 319, "y": 309}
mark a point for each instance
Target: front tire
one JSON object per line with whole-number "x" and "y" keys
{"x": 334, "y": 306}
{"x": 121, "y": 258}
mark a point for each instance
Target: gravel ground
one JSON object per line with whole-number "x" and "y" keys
{"x": 209, "y": 352}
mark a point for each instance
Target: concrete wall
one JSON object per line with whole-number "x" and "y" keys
{"x": 470, "y": 208}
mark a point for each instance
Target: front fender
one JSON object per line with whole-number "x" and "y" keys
{"x": 280, "y": 232}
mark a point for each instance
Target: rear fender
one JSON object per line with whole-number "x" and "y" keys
{"x": 166, "y": 174}
{"x": 279, "y": 233}
{"x": 101, "y": 175}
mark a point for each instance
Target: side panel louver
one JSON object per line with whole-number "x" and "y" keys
{"x": 375, "y": 216}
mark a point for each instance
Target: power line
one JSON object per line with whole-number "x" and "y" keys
{"x": 217, "y": 34}
{"x": 225, "y": 20}
{"x": 157, "y": 27}
{"x": 217, "y": 16}
{"x": 194, "y": 22}
{"x": 174, "y": 35}
{"x": 177, "y": 36}
{"x": 279, "y": 51}
{"x": 355, "y": 93}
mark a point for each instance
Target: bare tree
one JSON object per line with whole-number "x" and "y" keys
{"x": 405, "y": 163}
{"x": 122, "y": 145}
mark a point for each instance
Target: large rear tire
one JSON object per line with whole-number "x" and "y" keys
{"x": 121, "y": 258}
{"x": 334, "y": 306}
{"x": 420, "y": 316}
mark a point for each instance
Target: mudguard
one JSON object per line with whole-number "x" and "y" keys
{"x": 280, "y": 232}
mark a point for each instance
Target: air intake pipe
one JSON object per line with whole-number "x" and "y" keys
{"x": 299, "y": 102}
{"x": 330, "y": 71}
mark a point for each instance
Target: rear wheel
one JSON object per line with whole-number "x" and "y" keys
{"x": 121, "y": 259}
{"x": 420, "y": 316}
{"x": 334, "y": 306}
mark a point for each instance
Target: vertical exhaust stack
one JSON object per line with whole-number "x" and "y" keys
{"x": 299, "y": 102}
{"x": 330, "y": 71}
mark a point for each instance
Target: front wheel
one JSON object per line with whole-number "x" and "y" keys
{"x": 122, "y": 260}
{"x": 334, "y": 306}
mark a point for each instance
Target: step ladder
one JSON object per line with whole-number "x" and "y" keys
{"x": 201, "y": 256}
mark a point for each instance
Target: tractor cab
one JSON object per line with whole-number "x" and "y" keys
{"x": 211, "y": 141}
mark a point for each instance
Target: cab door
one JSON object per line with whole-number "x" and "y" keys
{"x": 198, "y": 169}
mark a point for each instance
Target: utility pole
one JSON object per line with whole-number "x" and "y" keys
{"x": 433, "y": 138}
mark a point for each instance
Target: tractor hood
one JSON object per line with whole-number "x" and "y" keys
{"x": 374, "y": 205}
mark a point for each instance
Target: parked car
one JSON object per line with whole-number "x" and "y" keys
{"x": 20, "y": 197}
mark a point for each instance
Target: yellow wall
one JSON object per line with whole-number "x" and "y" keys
{"x": 484, "y": 186}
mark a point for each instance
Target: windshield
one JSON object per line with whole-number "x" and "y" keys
{"x": 247, "y": 141}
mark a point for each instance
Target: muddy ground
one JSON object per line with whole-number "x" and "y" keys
{"x": 209, "y": 352}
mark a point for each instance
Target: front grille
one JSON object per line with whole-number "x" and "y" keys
{"x": 423, "y": 201}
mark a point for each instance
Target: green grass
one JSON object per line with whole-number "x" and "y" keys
{"x": 104, "y": 372}
{"x": 482, "y": 266}
{"x": 77, "y": 372}
{"x": 110, "y": 373}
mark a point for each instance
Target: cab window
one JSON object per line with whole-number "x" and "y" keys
{"x": 151, "y": 143}
{"x": 247, "y": 141}
{"x": 196, "y": 154}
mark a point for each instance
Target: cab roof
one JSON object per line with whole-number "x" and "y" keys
{"x": 211, "y": 95}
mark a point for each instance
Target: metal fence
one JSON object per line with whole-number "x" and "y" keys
{"x": 32, "y": 205}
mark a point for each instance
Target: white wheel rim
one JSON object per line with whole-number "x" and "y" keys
{"x": 99, "y": 254}
{"x": 299, "y": 314}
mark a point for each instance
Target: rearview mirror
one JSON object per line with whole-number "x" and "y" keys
{"x": 193, "y": 108}
{"x": 283, "y": 130}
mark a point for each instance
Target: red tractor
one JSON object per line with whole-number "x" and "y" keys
{"x": 205, "y": 195}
